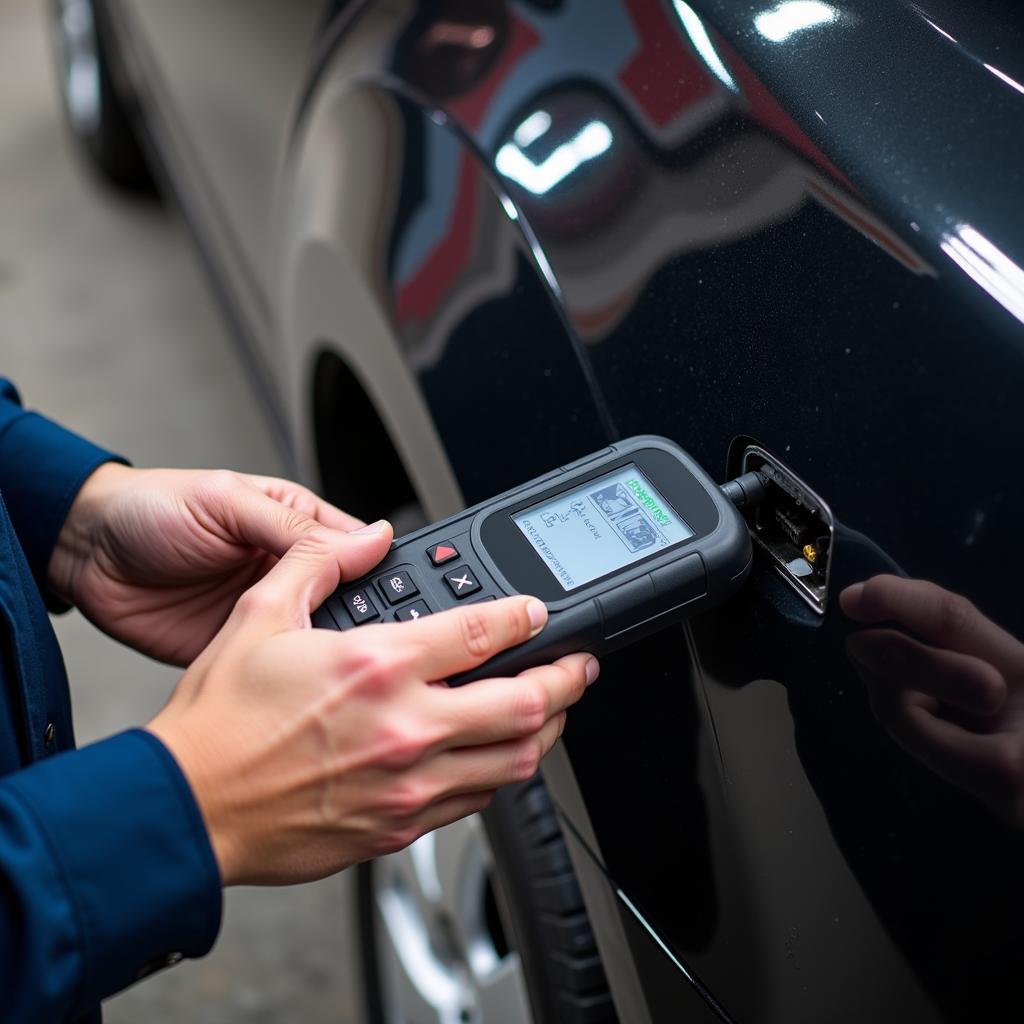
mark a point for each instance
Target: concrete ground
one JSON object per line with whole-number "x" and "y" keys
{"x": 107, "y": 325}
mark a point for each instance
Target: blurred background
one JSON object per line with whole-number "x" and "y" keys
{"x": 107, "y": 326}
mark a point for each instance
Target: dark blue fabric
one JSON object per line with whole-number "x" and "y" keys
{"x": 105, "y": 865}
{"x": 42, "y": 468}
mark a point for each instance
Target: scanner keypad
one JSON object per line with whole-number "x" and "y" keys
{"x": 413, "y": 587}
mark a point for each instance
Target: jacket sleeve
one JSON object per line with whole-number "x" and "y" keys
{"x": 42, "y": 468}
{"x": 106, "y": 874}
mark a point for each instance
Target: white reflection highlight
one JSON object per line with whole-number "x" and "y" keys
{"x": 941, "y": 31}
{"x": 532, "y": 128}
{"x": 544, "y": 267}
{"x": 793, "y": 16}
{"x": 510, "y": 208}
{"x": 702, "y": 44}
{"x": 1005, "y": 77}
{"x": 987, "y": 266}
{"x": 590, "y": 142}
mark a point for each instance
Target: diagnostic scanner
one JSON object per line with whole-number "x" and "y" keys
{"x": 618, "y": 545}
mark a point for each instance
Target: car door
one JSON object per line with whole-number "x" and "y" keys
{"x": 792, "y": 279}
{"x": 751, "y": 249}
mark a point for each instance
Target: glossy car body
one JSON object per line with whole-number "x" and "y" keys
{"x": 522, "y": 229}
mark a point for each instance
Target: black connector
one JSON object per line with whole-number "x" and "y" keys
{"x": 788, "y": 520}
{"x": 747, "y": 490}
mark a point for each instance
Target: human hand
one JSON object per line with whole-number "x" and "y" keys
{"x": 158, "y": 557}
{"x": 952, "y": 695}
{"x": 310, "y": 750}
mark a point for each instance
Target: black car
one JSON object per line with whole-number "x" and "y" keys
{"x": 466, "y": 241}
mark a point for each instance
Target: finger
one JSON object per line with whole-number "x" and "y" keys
{"x": 243, "y": 514}
{"x": 901, "y": 662}
{"x": 462, "y": 638}
{"x": 469, "y": 769}
{"x": 934, "y": 615}
{"x": 309, "y": 572}
{"x": 306, "y": 501}
{"x": 495, "y": 710}
{"x": 987, "y": 766}
{"x": 450, "y": 809}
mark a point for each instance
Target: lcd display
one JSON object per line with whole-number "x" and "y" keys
{"x": 606, "y": 524}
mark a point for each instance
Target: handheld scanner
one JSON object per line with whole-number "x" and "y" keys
{"x": 618, "y": 545}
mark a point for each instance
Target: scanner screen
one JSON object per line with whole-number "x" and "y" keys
{"x": 604, "y": 525}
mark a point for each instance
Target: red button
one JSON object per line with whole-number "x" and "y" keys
{"x": 441, "y": 553}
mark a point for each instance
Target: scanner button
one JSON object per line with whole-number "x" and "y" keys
{"x": 461, "y": 581}
{"x": 412, "y": 612}
{"x": 359, "y": 605}
{"x": 397, "y": 586}
{"x": 441, "y": 553}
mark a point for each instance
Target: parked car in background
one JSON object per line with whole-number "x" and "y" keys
{"x": 467, "y": 241}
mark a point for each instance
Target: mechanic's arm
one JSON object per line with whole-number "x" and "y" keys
{"x": 157, "y": 558}
{"x": 42, "y": 469}
{"x": 310, "y": 750}
{"x": 106, "y": 873}
{"x": 154, "y": 557}
{"x": 284, "y": 754}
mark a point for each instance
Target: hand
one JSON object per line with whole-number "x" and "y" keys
{"x": 158, "y": 557}
{"x": 952, "y": 695}
{"x": 310, "y": 750}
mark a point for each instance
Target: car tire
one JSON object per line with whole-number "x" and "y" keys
{"x": 536, "y": 926}
{"x": 96, "y": 112}
{"x": 544, "y": 908}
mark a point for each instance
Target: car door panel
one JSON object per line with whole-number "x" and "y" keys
{"x": 729, "y": 269}
{"x": 477, "y": 321}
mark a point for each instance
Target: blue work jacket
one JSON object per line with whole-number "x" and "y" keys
{"x": 106, "y": 870}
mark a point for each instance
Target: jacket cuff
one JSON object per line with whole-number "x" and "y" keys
{"x": 131, "y": 850}
{"x": 42, "y": 469}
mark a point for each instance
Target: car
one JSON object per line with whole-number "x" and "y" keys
{"x": 466, "y": 242}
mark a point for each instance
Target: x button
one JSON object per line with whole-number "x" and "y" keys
{"x": 461, "y": 581}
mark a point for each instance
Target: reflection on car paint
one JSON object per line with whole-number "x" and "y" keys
{"x": 785, "y": 19}
{"x": 730, "y": 270}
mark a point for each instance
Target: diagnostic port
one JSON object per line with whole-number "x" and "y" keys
{"x": 793, "y": 525}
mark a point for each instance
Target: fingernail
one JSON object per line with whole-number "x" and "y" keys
{"x": 537, "y": 613}
{"x": 593, "y": 670}
{"x": 378, "y": 527}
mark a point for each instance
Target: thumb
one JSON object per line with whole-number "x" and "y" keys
{"x": 309, "y": 572}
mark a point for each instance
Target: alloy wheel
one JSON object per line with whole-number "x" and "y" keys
{"x": 442, "y": 950}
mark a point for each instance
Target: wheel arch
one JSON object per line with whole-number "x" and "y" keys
{"x": 331, "y": 303}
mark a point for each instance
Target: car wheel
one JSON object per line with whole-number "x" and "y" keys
{"x": 95, "y": 112}
{"x": 482, "y": 922}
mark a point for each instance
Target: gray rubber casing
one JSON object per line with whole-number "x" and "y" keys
{"x": 657, "y": 591}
